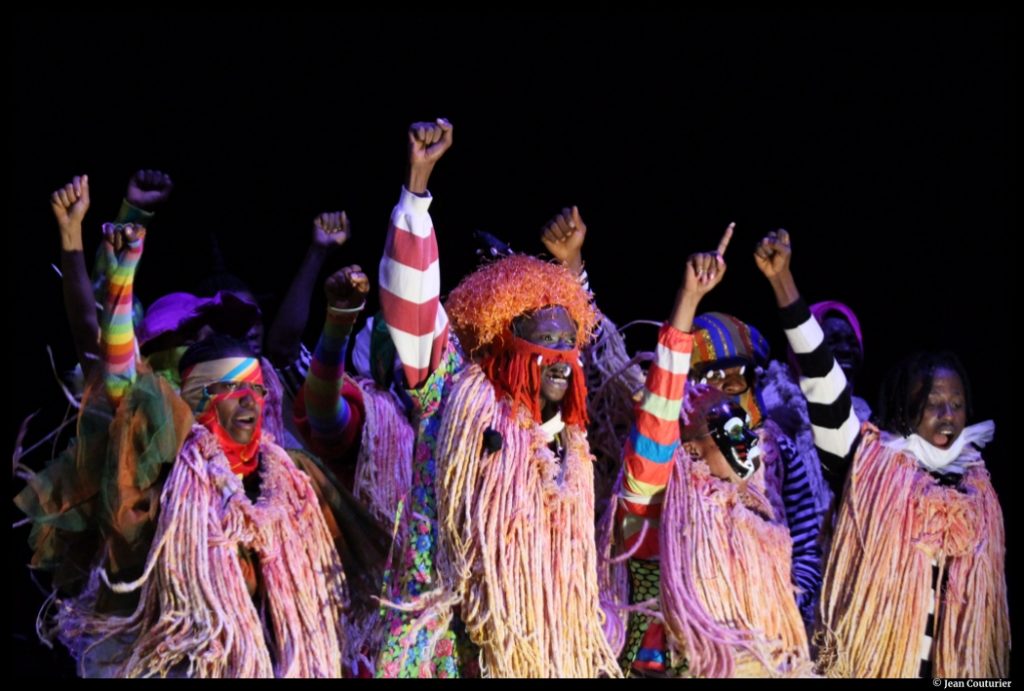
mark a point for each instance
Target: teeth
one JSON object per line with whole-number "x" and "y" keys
{"x": 559, "y": 372}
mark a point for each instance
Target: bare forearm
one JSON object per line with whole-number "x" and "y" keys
{"x": 79, "y": 304}
{"x": 80, "y": 307}
{"x": 71, "y": 237}
{"x": 289, "y": 323}
{"x": 684, "y": 311}
{"x": 784, "y": 287}
{"x": 419, "y": 176}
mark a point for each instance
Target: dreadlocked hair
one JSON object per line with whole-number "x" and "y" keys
{"x": 906, "y": 387}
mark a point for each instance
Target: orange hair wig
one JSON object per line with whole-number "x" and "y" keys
{"x": 482, "y": 307}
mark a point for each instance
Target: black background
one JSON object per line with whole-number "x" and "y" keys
{"x": 884, "y": 143}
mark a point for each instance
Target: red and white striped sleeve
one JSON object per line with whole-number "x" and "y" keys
{"x": 410, "y": 286}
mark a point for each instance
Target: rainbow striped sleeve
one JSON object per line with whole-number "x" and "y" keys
{"x": 653, "y": 441}
{"x": 410, "y": 284}
{"x": 117, "y": 335}
{"x": 330, "y": 415}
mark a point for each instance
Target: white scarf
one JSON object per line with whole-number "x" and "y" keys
{"x": 956, "y": 459}
{"x": 552, "y": 427}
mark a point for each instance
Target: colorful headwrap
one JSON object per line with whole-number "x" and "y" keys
{"x": 244, "y": 457}
{"x": 482, "y": 308}
{"x": 724, "y": 341}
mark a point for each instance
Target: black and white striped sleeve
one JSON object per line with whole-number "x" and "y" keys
{"x": 829, "y": 402}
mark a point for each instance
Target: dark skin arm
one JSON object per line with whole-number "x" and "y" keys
{"x": 331, "y": 230}
{"x": 563, "y": 238}
{"x": 427, "y": 143}
{"x": 772, "y": 256}
{"x": 69, "y": 205}
{"x": 149, "y": 189}
{"x": 704, "y": 271}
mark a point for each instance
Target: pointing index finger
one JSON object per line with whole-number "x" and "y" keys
{"x": 726, "y": 237}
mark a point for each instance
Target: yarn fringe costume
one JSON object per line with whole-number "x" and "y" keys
{"x": 517, "y": 540}
{"x": 728, "y": 558}
{"x": 895, "y": 520}
{"x": 195, "y": 615}
{"x": 514, "y": 562}
{"x": 383, "y": 473}
{"x": 614, "y": 385}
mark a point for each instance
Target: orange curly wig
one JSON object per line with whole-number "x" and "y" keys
{"x": 482, "y": 307}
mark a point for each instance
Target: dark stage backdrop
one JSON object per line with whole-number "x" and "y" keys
{"x": 884, "y": 143}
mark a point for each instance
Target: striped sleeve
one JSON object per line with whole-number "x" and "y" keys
{"x": 653, "y": 440}
{"x": 410, "y": 283}
{"x": 829, "y": 401}
{"x": 117, "y": 334}
{"x": 293, "y": 375}
{"x": 804, "y": 526}
{"x": 332, "y": 421}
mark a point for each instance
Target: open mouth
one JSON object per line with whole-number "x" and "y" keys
{"x": 558, "y": 374}
{"x": 247, "y": 421}
{"x": 944, "y": 436}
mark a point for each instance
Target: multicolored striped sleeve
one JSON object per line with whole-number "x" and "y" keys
{"x": 333, "y": 414}
{"x": 834, "y": 423}
{"x": 410, "y": 285}
{"x": 117, "y": 334}
{"x": 653, "y": 441}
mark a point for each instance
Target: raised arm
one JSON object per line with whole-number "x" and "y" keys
{"x": 655, "y": 435}
{"x": 332, "y": 408}
{"x": 69, "y": 205}
{"x": 147, "y": 190}
{"x": 410, "y": 279}
{"x": 563, "y": 238}
{"x": 330, "y": 231}
{"x": 122, "y": 246}
{"x": 834, "y": 424}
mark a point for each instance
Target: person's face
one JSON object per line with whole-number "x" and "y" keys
{"x": 945, "y": 411}
{"x": 842, "y": 340}
{"x": 551, "y": 327}
{"x": 730, "y": 380}
{"x": 727, "y": 433}
{"x": 238, "y": 413}
{"x": 705, "y": 449}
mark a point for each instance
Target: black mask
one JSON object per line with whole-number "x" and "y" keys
{"x": 727, "y": 426}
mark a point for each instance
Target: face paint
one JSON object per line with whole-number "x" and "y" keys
{"x": 551, "y": 328}
{"x": 738, "y": 444}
